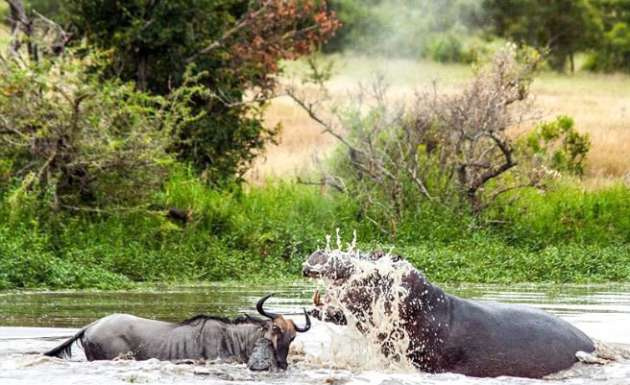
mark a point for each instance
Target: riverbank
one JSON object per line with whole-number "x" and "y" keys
{"x": 262, "y": 233}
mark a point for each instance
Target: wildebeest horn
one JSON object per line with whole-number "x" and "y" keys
{"x": 259, "y": 307}
{"x": 307, "y": 326}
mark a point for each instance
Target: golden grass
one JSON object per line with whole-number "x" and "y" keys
{"x": 600, "y": 105}
{"x": 301, "y": 144}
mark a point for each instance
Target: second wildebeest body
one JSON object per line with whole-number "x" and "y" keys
{"x": 451, "y": 334}
{"x": 201, "y": 337}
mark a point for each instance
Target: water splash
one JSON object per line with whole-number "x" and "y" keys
{"x": 368, "y": 289}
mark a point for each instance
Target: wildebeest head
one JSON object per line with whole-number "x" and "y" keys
{"x": 281, "y": 332}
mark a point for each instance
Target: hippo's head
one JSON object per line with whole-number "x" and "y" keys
{"x": 339, "y": 266}
{"x": 330, "y": 265}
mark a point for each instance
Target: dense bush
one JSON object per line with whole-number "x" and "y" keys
{"x": 448, "y": 148}
{"x": 76, "y": 140}
{"x": 259, "y": 234}
{"x": 565, "y": 213}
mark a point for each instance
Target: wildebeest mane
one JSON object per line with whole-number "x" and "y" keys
{"x": 242, "y": 319}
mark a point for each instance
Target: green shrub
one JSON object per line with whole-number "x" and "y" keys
{"x": 558, "y": 145}
{"x": 72, "y": 140}
{"x": 237, "y": 64}
{"x": 447, "y": 49}
{"x": 486, "y": 259}
{"x": 405, "y": 28}
{"x": 27, "y": 261}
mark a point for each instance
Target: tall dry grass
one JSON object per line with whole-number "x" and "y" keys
{"x": 599, "y": 103}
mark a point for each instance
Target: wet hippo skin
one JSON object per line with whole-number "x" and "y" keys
{"x": 451, "y": 334}
{"x": 494, "y": 339}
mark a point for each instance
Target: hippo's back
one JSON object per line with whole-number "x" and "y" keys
{"x": 489, "y": 339}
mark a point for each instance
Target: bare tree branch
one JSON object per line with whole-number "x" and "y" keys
{"x": 242, "y": 24}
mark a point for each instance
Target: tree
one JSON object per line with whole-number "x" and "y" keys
{"x": 233, "y": 45}
{"x": 613, "y": 51}
{"x": 564, "y": 27}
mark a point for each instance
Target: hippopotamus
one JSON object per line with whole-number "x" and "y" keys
{"x": 445, "y": 333}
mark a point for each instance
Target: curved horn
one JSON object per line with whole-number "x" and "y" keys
{"x": 307, "y": 326}
{"x": 259, "y": 307}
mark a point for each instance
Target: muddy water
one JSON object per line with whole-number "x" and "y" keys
{"x": 35, "y": 321}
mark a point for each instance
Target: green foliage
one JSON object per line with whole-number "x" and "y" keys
{"x": 150, "y": 44}
{"x": 448, "y": 49}
{"x": 50, "y": 8}
{"x": 565, "y": 213}
{"x": 559, "y": 145}
{"x": 26, "y": 260}
{"x": 235, "y": 44}
{"x": 75, "y": 140}
{"x": 612, "y": 53}
{"x": 405, "y": 28}
{"x": 443, "y": 30}
{"x": 492, "y": 261}
{"x": 564, "y": 235}
{"x": 360, "y": 22}
{"x": 259, "y": 234}
{"x": 4, "y": 11}
{"x": 562, "y": 26}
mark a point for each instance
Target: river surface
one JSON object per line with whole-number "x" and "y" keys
{"x": 32, "y": 322}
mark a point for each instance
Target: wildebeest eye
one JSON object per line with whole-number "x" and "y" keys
{"x": 276, "y": 329}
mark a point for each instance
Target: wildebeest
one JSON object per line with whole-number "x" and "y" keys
{"x": 446, "y": 333}
{"x": 200, "y": 337}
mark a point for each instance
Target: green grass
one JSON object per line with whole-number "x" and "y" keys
{"x": 265, "y": 233}
{"x": 487, "y": 260}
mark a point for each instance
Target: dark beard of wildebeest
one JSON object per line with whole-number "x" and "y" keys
{"x": 200, "y": 337}
{"x": 447, "y": 333}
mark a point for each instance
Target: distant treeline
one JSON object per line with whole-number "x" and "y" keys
{"x": 461, "y": 30}
{"x": 465, "y": 30}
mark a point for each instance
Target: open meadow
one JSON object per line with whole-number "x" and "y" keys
{"x": 599, "y": 103}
